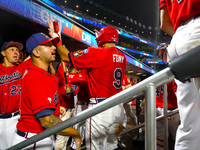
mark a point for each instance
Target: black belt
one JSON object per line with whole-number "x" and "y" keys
{"x": 6, "y": 116}
{"x": 82, "y": 103}
{"x": 22, "y": 134}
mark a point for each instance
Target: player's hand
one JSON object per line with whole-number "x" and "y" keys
{"x": 51, "y": 30}
{"x": 162, "y": 48}
{"x": 62, "y": 111}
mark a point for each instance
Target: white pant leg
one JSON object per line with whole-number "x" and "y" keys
{"x": 44, "y": 144}
{"x": 188, "y": 96}
{"x": 7, "y": 131}
{"x": 101, "y": 129}
{"x": 78, "y": 109}
{"x": 188, "y": 133}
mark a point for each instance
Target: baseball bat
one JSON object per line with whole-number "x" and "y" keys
{"x": 56, "y": 30}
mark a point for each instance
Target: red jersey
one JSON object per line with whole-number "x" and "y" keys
{"x": 105, "y": 69}
{"x": 171, "y": 97}
{"x": 10, "y": 87}
{"x": 180, "y": 10}
{"x": 80, "y": 79}
{"x": 40, "y": 91}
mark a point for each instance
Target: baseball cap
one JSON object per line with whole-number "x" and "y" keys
{"x": 11, "y": 43}
{"x": 39, "y": 39}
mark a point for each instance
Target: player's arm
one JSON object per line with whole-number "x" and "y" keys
{"x": 165, "y": 21}
{"x": 62, "y": 50}
{"x": 126, "y": 86}
{"x": 64, "y": 53}
{"x": 52, "y": 120}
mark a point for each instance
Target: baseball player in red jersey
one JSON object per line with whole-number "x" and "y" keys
{"x": 10, "y": 85}
{"x": 181, "y": 19}
{"x": 105, "y": 66}
{"x": 174, "y": 120}
{"x": 39, "y": 98}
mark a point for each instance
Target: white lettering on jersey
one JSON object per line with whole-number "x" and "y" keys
{"x": 71, "y": 76}
{"x": 118, "y": 58}
{"x": 49, "y": 99}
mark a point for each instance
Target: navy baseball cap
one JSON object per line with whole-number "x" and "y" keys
{"x": 39, "y": 39}
{"x": 10, "y": 44}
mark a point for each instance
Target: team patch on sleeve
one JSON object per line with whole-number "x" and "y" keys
{"x": 78, "y": 53}
{"x": 85, "y": 51}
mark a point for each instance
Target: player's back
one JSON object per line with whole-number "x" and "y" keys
{"x": 105, "y": 78}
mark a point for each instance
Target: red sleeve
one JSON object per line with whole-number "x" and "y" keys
{"x": 80, "y": 79}
{"x": 162, "y": 3}
{"x": 83, "y": 58}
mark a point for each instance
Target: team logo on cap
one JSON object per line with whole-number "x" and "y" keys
{"x": 44, "y": 35}
{"x": 78, "y": 53}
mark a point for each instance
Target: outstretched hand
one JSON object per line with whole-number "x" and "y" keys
{"x": 51, "y": 30}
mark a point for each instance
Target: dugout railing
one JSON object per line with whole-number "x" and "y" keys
{"x": 182, "y": 68}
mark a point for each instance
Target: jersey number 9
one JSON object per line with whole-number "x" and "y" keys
{"x": 118, "y": 77}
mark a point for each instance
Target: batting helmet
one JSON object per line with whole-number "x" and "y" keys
{"x": 107, "y": 34}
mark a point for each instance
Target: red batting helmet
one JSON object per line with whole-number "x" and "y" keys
{"x": 107, "y": 34}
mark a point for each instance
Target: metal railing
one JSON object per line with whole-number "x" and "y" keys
{"x": 148, "y": 86}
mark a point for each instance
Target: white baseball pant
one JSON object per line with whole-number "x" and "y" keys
{"x": 46, "y": 143}
{"x": 102, "y": 130}
{"x": 79, "y": 108}
{"x": 187, "y": 37}
{"x": 7, "y": 131}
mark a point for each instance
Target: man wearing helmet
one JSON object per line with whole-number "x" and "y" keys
{"x": 106, "y": 67}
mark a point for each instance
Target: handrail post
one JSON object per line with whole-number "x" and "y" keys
{"x": 150, "y": 119}
{"x": 165, "y": 107}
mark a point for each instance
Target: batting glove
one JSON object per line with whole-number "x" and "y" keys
{"x": 162, "y": 48}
